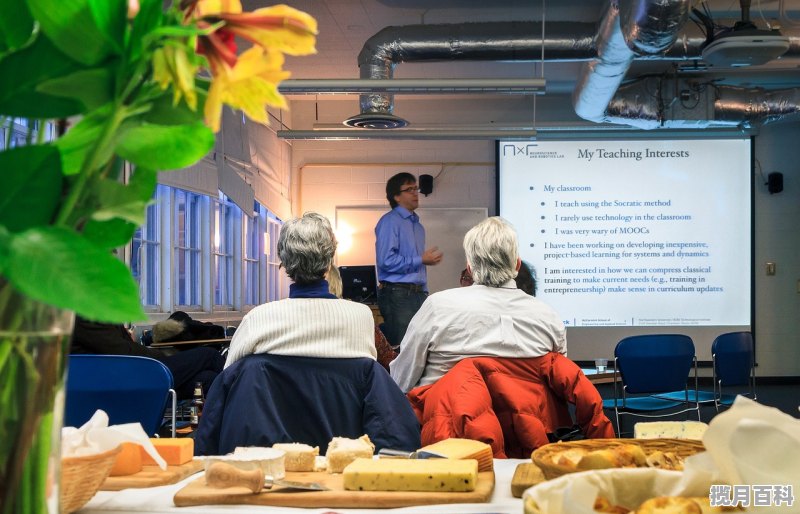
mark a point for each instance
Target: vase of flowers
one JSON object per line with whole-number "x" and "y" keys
{"x": 117, "y": 81}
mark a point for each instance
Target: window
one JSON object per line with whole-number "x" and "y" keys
{"x": 277, "y": 281}
{"x": 146, "y": 253}
{"x": 188, "y": 250}
{"x": 251, "y": 258}
{"x": 227, "y": 220}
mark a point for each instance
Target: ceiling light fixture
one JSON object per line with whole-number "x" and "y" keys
{"x": 441, "y": 134}
{"x": 412, "y": 86}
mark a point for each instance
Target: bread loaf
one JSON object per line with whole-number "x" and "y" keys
{"x": 343, "y": 451}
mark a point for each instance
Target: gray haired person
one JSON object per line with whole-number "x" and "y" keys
{"x": 490, "y": 318}
{"x": 312, "y": 322}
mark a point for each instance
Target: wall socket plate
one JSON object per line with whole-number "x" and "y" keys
{"x": 770, "y": 268}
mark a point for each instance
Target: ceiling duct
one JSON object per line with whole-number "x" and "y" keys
{"x": 631, "y": 30}
{"x": 686, "y": 103}
{"x": 628, "y": 29}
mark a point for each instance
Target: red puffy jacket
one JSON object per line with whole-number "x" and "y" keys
{"x": 511, "y": 404}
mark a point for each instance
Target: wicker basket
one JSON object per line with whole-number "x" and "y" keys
{"x": 545, "y": 456}
{"x": 82, "y": 476}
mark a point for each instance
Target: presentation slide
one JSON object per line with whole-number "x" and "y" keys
{"x": 634, "y": 233}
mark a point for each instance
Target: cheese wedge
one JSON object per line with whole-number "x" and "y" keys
{"x": 411, "y": 475}
{"x": 454, "y": 448}
{"x": 669, "y": 429}
{"x": 175, "y": 451}
{"x": 299, "y": 457}
{"x": 343, "y": 451}
{"x": 129, "y": 460}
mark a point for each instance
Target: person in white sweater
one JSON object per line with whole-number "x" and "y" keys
{"x": 312, "y": 322}
{"x": 492, "y": 318}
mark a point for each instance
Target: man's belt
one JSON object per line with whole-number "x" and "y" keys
{"x": 414, "y": 288}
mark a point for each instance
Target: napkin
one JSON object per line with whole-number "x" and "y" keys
{"x": 95, "y": 436}
{"x": 751, "y": 444}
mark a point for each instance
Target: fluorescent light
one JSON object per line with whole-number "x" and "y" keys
{"x": 412, "y": 86}
{"x": 353, "y": 134}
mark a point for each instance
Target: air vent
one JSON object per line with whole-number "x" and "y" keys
{"x": 375, "y": 120}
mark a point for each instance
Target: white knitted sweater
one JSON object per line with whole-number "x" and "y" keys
{"x": 306, "y": 327}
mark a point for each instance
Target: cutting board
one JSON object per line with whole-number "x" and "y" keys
{"x": 197, "y": 493}
{"x": 526, "y": 475}
{"x": 151, "y": 476}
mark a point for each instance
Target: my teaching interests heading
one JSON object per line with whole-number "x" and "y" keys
{"x": 623, "y": 153}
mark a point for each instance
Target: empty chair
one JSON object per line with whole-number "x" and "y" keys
{"x": 734, "y": 366}
{"x": 648, "y": 365}
{"x": 128, "y": 388}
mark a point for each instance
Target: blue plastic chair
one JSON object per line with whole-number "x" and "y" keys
{"x": 128, "y": 388}
{"x": 734, "y": 366}
{"x": 648, "y": 365}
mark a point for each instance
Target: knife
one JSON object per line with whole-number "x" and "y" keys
{"x": 221, "y": 475}
{"x": 401, "y": 454}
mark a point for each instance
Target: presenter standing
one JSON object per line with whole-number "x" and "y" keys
{"x": 401, "y": 258}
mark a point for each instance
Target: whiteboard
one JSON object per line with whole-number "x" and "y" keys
{"x": 444, "y": 227}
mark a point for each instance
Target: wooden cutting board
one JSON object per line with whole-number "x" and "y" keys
{"x": 151, "y": 476}
{"x": 526, "y": 475}
{"x": 197, "y": 493}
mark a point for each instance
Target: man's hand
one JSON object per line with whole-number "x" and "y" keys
{"x": 432, "y": 256}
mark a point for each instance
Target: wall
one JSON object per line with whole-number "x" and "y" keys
{"x": 331, "y": 174}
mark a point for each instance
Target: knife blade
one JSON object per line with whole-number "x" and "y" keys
{"x": 402, "y": 454}
{"x": 221, "y": 475}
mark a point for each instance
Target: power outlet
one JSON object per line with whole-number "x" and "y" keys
{"x": 770, "y": 269}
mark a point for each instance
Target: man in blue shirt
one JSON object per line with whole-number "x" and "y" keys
{"x": 401, "y": 257}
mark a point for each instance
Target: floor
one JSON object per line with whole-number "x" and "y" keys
{"x": 782, "y": 394}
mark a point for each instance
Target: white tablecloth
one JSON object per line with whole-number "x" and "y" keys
{"x": 159, "y": 500}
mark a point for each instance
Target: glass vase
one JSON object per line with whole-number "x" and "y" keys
{"x": 34, "y": 342}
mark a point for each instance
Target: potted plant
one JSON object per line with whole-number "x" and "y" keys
{"x": 121, "y": 80}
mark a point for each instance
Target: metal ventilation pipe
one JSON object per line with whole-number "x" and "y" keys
{"x": 495, "y": 41}
{"x": 670, "y": 102}
{"x": 636, "y": 27}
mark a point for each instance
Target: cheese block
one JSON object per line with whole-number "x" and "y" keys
{"x": 176, "y": 451}
{"x": 669, "y": 430}
{"x": 343, "y": 451}
{"x": 454, "y": 448}
{"x": 411, "y": 475}
{"x": 299, "y": 457}
{"x": 269, "y": 460}
{"x": 129, "y": 460}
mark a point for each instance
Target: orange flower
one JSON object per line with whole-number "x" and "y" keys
{"x": 250, "y": 85}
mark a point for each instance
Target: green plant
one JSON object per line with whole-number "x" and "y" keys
{"x": 128, "y": 82}
{"x": 138, "y": 83}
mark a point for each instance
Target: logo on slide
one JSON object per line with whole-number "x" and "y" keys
{"x": 529, "y": 151}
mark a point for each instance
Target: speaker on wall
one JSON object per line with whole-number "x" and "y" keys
{"x": 774, "y": 182}
{"x": 426, "y": 184}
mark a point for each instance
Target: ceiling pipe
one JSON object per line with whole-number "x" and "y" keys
{"x": 426, "y": 134}
{"x": 637, "y": 22}
{"x": 412, "y": 86}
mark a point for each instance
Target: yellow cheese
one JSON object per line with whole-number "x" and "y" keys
{"x": 669, "y": 429}
{"x": 411, "y": 475}
{"x": 129, "y": 460}
{"x": 455, "y": 448}
{"x": 175, "y": 451}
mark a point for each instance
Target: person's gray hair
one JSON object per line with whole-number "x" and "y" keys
{"x": 306, "y": 246}
{"x": 335, "y": 281}
{"x": 492, "y": 252}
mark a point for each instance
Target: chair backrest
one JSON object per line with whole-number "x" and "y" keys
{"x": 128, "y": 388}
{"x": 733, "y": 358}
{"x": 654, "y": 363}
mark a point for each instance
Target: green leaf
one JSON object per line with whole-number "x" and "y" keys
{"x": 111, "y": 16}
{"x": 92, "y": 88}
{"x": 143, "y": 183}
{"x": 60, "y": 267}
{"x": 30, "y": 186}
{"x": 165, "y": 147}
{"x": 109, "y": 234}
{"x": 163, "y": 112}
{"x": 78, "y": 31}
{"x": 76, "y": 143}
{"x": 16, "y": 25}
{"x": 150, "y": 17}
{"x": 22, "y": 71}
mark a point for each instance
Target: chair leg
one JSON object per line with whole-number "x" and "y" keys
{"x": 174, "y": 397}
